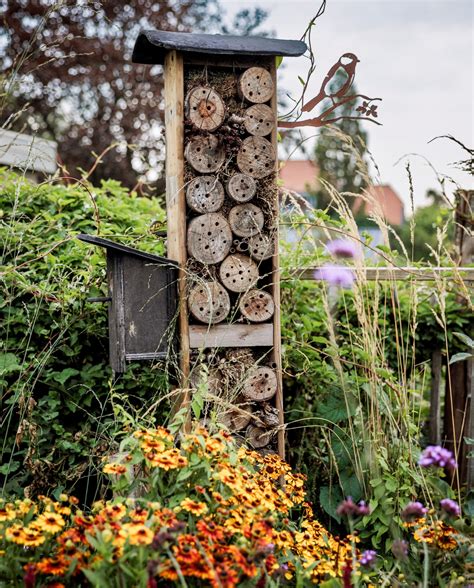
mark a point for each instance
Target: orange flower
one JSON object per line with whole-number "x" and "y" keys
{"x": 170, "y": 459}
{"x": 52, "y": 566}
{"x": 116, "y": 469}
{"x": 210, "y": 530}
{"x": 194, "y": 507}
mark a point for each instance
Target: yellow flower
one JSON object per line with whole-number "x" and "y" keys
{"x": 7, "y": 512}
{"x": 15, "y": 534}
{"x": 170, "y": 459}
{"x": 194, "y": 507}
{"x": 31, "y": 538}
{"x": 138, "y": 534}
{"x": 50, "y": 522}
{"x": 115, "y": 511}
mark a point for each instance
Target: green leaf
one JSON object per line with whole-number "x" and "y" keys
{"x": 278, "y": 60}
{"x": 460, "y": 357}
{"x": 9, "y": 363}
{"x": 334, "y": 408}
{"x": 302, "y": 82}
{"x": 330, "y": 498}
{"x": 63, "y": 376}
{"x": 465, "y": 339}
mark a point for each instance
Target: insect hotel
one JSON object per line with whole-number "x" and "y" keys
{"x": 220, "y": 105}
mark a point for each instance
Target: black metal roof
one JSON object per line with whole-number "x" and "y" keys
{"x": 151, "y": 46}
{"x": 107, "y": 244}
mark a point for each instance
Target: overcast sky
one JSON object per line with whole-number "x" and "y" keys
{"x": 415, "y": 54}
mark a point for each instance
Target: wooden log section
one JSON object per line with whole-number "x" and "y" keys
{"x": 241, "y": 187}
{"x": 202, "y": 337}
{"x": 259, "y": 120}
{"x": 257, "y": 306}
{"x": 237, "y": 417}
{"x": 238, "y": 273}
{"x": 260, "y": 385}
{"x": 204, "y": 153}
{"x": 246, "y": 220}
{"x": 205, "y": 108}
{"x": 256, "y": 157}
{"x": 209, "y": 302}
{"x": 259, "y": 437}
{"x": 256, "y": 85}
{"x": 209, "y": 238}
{"x": 205, "y": 194}
{"x": 261, "y": 246}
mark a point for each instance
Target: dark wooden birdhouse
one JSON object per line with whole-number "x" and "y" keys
{"x": 220, "y": 101}
{"x": 142, "y": 303}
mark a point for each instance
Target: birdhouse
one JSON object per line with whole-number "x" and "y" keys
{"x": 220, "y": 103}
{"x": 142, "y": 303}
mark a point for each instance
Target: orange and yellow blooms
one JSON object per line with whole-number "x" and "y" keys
{"x": 202, "y": 511}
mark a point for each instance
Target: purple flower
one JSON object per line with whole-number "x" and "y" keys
{"x": 368, "y": 558}
{"x": 335, "y": 275}
{"x": 413, "y": 511}
{"x": 349, "y": 508}
{"x": 437, "y": 456}
{"x": 400, "y": 549}
{"x": 450, "y": 507}
{"x": 342, "y": 248}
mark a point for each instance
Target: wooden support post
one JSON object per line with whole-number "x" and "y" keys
{"x": 435, "y": 406}
{"x": 276, "y": 294}
{"x": 176, "y": 200}
{"x": 459, "y": 389}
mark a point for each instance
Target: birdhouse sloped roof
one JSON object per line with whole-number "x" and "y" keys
{"x": 151, "y": 46}
{"x": 124, "y": 250}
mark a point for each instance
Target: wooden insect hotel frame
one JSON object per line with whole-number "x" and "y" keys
{"x": 220, "y": 105}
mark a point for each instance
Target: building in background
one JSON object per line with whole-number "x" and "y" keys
{"x": 301, "y": 176}
{"x": 28, "y": 154}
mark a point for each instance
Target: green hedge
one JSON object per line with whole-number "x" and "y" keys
{"x": 59, "y": 408}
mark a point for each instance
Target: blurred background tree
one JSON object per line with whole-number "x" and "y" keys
{"x": 340, "y": 151}
{"x": 68, "y": 76}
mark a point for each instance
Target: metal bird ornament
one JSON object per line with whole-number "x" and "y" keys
{"x": 336, "y": 86}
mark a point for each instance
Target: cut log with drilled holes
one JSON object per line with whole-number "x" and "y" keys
{"x": 237, "y": 417}
{"x": 261, "y": 247}
{"x": 204, "y": 153}
{"x": 260, "y": 384}
{"x": 259, "y": 120}
{"x": 256, "y": 157}
{"x": 259, "y": 437}
{"x": 246, "y": 220}
{"x": 209, "y": 302}
{"x": 238, "y": 272}
{"x": 256, "y": 85}
{"x": 205, "y": 108}
{"x": 241, "y": 187}
{"x": 257, "y": 306}
{"x": 205, "y": 194}
{"x": 209, "y": 238}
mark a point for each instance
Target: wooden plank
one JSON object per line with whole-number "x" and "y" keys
{"x": 465, "y": 274}
{"x": 116, "y": 312}
{"x": 201, "y": 336}
{"x": 176, "y": 199}
{"x": 276, "y": 353}
{"x": 435, "y": 405}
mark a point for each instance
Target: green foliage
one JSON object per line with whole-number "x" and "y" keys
{"x": 357, "y": 385}
{"x": 60, "y": 407}
{"x": 433, "y": 229}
